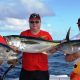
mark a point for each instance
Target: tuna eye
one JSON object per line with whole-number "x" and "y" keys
{"x": 75, "y": 66}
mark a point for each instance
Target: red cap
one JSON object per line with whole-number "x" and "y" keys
{"x": 34, "y": 16}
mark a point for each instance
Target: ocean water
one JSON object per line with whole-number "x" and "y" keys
{"x": 57, "y": 66}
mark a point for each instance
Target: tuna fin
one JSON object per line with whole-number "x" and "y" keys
{"x": 68, "y": 34}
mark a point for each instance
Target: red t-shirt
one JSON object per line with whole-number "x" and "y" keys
{"x": 2, "y": 40}
{"x": 36, "y": 61}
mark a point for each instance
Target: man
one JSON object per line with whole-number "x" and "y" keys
{"x": 71, "y": 57}
{"x": 35, "y": 66}
{"x": 78, "y": 23}
{"x": 2, "y": 40}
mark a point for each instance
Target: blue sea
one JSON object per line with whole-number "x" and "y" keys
{"x": 57, "y": 66}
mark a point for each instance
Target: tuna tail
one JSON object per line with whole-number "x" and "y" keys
{"x": 68, "y": 34}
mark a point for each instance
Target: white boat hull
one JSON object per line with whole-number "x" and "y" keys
{"x": 52, "y": 77}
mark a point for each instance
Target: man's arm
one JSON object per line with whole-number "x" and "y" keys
{"x": 72, "y": 57}
{"x": 53, "y": 49}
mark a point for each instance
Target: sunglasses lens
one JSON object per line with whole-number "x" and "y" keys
{"x": 31, "y": 21}
{"x": 34, "y": 22}
{"x": 37, "y": 22}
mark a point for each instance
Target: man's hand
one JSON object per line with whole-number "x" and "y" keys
{"x": 14, "y": 48}
{"x": 52, "y": 50}
{"x": 69, "y": 57}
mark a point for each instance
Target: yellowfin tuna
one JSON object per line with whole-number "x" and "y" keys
{"x": 30, "y": 44}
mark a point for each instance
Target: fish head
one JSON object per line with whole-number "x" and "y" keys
{"x": 12, "y": 39}
{"x": 7, "y": 53}
{"x": 11, "y": 55}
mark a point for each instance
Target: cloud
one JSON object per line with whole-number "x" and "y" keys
{"x": 22, "y": 8}
{"x": 12, "y": 25}
{"x": 14, "y": 14}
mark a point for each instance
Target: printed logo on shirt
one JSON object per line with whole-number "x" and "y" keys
{"x": 43, "y": 37}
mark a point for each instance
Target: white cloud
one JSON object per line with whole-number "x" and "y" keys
{"x": 22, "y": 8}
{"x": 15, "y": 22}
{"x": 37, "y": 6}
{"x": 10, "y": 25}
{"x": 14, "y": 12}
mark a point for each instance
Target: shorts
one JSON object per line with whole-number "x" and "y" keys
{"x": 34, "y": 75}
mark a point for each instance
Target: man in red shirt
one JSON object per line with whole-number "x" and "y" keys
{"x": 2, "y": 40}
{"x": 35, "y": 66}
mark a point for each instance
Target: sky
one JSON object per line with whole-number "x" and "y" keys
{"x": 56, "y": 16}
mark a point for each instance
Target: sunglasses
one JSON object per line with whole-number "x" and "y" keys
{"x": 34, "y": 22}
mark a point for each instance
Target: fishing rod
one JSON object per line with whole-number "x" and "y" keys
{"x": 4, "y": 75}
{"x": 9, "y": 68}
